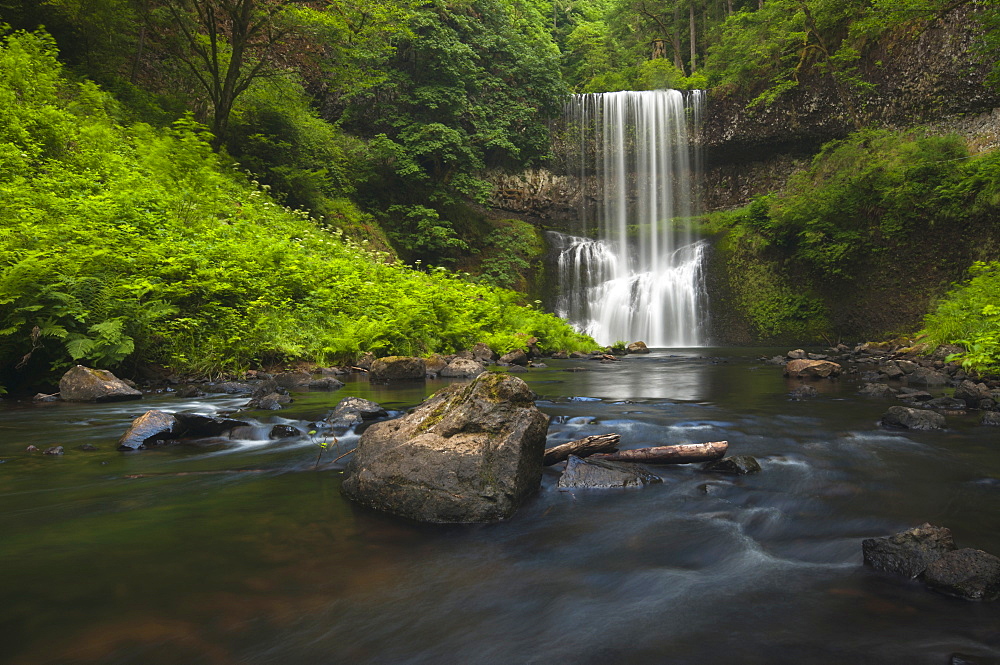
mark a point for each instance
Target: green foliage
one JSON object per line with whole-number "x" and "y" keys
{"x": 510, "y": 251}
{"x": 969, "y": 315}
{"x": 129, "y": 244}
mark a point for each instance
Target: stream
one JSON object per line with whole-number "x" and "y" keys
{"x": 111, "y": 557}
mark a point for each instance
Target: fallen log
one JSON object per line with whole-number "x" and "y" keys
{"x": 600, "y": 443}
{"x": 680, "y": 454}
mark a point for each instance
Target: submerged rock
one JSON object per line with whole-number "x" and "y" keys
{"x": 582, "y": 473}
{"x": 966, "y": 573}
{"x": 83, "y": 384}
{"x": 53, "y": 450}
{"x": 877, "y": 390}
{"x": 471, "y": 453}
{"x": 908, "y": 553}
{"x": 740, "y": 465}
{"x": 803, "y": 393}
{"x": 812, "y": 369}
{"x": 990, "y": 418}
{"x": 924, "y": 376}
{"x": 398, "y": 368}
{"x": 915, "y": 419}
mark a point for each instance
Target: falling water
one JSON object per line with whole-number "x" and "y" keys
{"x": 633, "y": 274}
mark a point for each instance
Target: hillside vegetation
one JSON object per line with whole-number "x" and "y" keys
{"x": 123, "y": 244}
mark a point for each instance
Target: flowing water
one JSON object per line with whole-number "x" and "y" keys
{"x": 144, "y": 557}
{"x": 634, "y": 271}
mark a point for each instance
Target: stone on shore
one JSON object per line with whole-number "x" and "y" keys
{"x": 83, "y": 384}
{"x": 463, "y": 368}
{"x": 471, "y": 453}
{"x": 397, "y": 368}
{"x": 812, "y": 369}
{"x": 599, "y": 474}
{"x": 637, "y": 347}
{"x": 908, "y": 553}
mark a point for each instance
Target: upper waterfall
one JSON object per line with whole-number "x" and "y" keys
{"x": 634, "y": 270}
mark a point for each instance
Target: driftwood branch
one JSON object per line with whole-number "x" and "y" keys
{"x": 679, "y": 454}
{"x": 601, "y": 443}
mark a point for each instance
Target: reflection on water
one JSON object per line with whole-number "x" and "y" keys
{"x": 274, "y": 566}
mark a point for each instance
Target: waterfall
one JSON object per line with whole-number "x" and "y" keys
{"x": 634, "y": 272}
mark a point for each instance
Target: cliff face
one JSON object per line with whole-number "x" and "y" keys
{"x": 931, "y": 77}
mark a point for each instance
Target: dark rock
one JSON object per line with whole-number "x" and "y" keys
{"x": 817, "y": 356}
{"x": 463, "y": 368}
{"x": 945, "y": 404}
{"x": 909, "y": 552}
{"x": 293, "y": 380}
{"x": 637, "y": 347}
{"x": 991, "y": 418}
{"x": 987, "y": 405}
{"x": 231, "y": 388}
{"x": 269, "y": 402}
{"x": 812, "y": 369}
{"x": 972, "y": 393}
{"x": 87, "y": 448}
{"x": 966, "y": 573}
{"x": 83, "y": 384}
{"x": 189, "y": 391}
{"x": 599, "y": 474}
{"x": 332, "y": 371}
{"x": 149, "y": 428}
{"x": 871, "y": 377}
{"x": 516, "y": 369}
{"x": 537, "y": 365}
{"x": 471, "y": 453}
{"x": 560, "y": 355}
{"x": 776, "y": 360}
{"x": 398, "y": 368}
{"x": 877, "y": 390}
{"x": 924, "y": 376}
{"x": 579, "y": 354}
{"x": 327, "y": 383}
{"x": 740, "y": 465}
{"x": 915, "y": 419}
{"x": 42, "y": 397}
{"x": 483, "y": 353}
{"x": 31, "y": 449}
{"x": 354, "y": 410}
{"x": 907, "y": 366}
{"x": 198, "y": 425}
{"x": 435, "y": 364}
{"x": 797, "y": 354}
{"x": 53, "y": 450}
{"x": 464, "y": 355}
{"x": 891, "y": 372}
{"x": 515, "y": 357}
{"x": 283, "y": 432}
{"x": 803, "y": 393}
{"x": 914, "y": 395}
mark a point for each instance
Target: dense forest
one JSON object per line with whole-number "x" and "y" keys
{"x": 212, "y": 185}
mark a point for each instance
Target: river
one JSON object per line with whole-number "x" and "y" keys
{"x": 273, "y": 565}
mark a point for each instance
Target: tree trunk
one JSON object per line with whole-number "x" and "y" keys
{"x": 679, "y": 454}
{"x": 600, "y": 443}
{"x": 675, "y": 40}
{"x": 693, "y": 39}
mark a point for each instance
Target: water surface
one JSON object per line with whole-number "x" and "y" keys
{"x": 272, "y": 565}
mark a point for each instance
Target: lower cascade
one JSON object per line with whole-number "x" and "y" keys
{"x": 635, "y": 270}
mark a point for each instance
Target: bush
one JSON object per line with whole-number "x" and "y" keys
{"x": 969, "y": 315}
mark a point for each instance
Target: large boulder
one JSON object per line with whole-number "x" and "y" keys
{"x": 471, "y": 453}
{"x": 909, "y": 552}
{"x": 637, "y": 347}
{"x": 483, "y": 353}
{"x": 463, "y": 368}
{"x": 582, "y": 473}
{"x": 907, "y": 418}
{"x": 397, "y": 368}
{"x": 812, "y": 369}
{"x": 83, "y": 384}
{"x": 966, "y": 573}
{"x": 435, "y": 363}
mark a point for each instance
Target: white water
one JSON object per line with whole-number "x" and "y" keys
{"x": 641, "y": 278}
